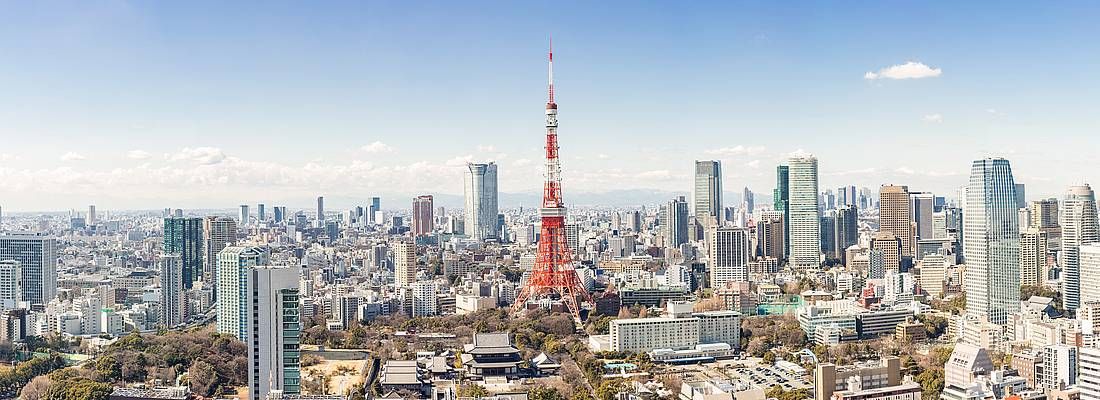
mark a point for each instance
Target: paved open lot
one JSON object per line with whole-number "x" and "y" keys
{"x": 765, "y": 376}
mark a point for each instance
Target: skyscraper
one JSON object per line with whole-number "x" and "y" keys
{"x": 261, "y": 213}
{"x": 748, "y": 199}
{"x": 769, "y": 235}
{"x": 991, "y": 236}
{"x": 729, "y": 256}
{"x": 173, "y": 304}
{"x": 846, "y": 230}
{"x": 423, "y": 222}
{"x": 894, "y": 215}
{"x": 889, "y": 246}
{"x": 233, "y": 306}
{"x": 375, "y": 210}
{"x": 321, "y": 210}
{"x": 91, "y": 215}
{"x": 1079, "y": 227}
{"x": 1021, "y": 198}
{"x": 922, "y": 206}
{"x": 805, "y": 218}
{"x": 243, "y": 216}
{"x": 280, "y": 214}
{"x": 404, "y": 264}
{"x": 183, "y": 236}
{"x": 782, "y": 198}
{"x": 707, "y": 196}
{"x": 273, "y": 318}
{"x": 481, "y": 201}
{"x": 37, "y": 257}
{"x": 217, "y": 232}
{"x": 674, "y": 220}
{"x": 1088, "y": 258}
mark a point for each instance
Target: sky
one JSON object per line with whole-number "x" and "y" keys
{"x": 212, "y": 104}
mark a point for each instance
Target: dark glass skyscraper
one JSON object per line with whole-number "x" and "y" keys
{"x": 183, "y": 236}
{"x": 782, "y": 198}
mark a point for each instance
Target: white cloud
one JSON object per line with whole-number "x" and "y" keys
{"x": 486, "y": 149}
{"x": 799, "y": 153}
{"x": 753, "y": 164}
{"x": 933, "y": 118}
{"x": 602, "y": 156}
{"x": 138, "y": 154}
{"x": 738, "y": 150}
{"x": 460, "y": 160}
{"x": 521, "y": 162}
{"x": 72, "y": 156}
{"x": 377, "y": 147}
{"x": 199, "y": 155}
{"x": 909, "y": 70}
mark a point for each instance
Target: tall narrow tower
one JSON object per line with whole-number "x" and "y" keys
{"x": 553, "y": 274}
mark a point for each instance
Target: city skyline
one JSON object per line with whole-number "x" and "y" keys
{"x": 376, "y": 99}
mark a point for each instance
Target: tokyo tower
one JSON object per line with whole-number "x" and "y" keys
{"x": 553, "y": 274}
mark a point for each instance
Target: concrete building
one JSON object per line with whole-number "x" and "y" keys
{"x": 173, "y": 298}
{"x": 1078, "y": 220}
{"x": 233, "y": 264}
{"x": 678, "y": 329}
{"x": 37, "y": 257}
{"x": 730, "y": 252}
{"x": 895, "y": 216}
{"x": 217, "y": 233}
{"x": 423, "y": 221}
{"x": 183, "y": 236}
{"x": 404, "y": 264}
{"x": 274, "y": 327}
{"x": 1033, "y": 257}
{"x": 830, "y": 378}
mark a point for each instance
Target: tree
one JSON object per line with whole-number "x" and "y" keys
{"x": 36, "y": 388}
{"x": 769, "y": 357}
{"x": 609, "y": 388}
{"x": 108, "y": 368}
{"x": 544, "y": 393}
{"x": 472, "y": 390}
{"x": 204, "y": 378}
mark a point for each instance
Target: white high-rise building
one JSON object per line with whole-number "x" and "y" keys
{"x": 37, "y": 256}
{"x": 1059, "y": 367}
{"x": 805, "y": 218}
{"x": 173, "y": 301}
{"x": 707, "y": 196}
{"x": 425, "y": 301}
{"x": 273, "y": 320}
{"x": 10, "y": 276}
{"x": 729, "y": 256}
{"x": 1088, "y": 378}
{"x": 404, "y": 264}
{"x": 1089, "y": 260}
{"x": 1079, "y": 227}
{"x": 1033, "y": 257}
{"x": 992, "y": 242}
{"x": 933, "y": 273}
{"x": 233, "y": 262}
{"x": 217, "y": 233}
{"x": 481, "y": 201}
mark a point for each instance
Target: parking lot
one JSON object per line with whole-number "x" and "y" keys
{"x": 765, "y": 376}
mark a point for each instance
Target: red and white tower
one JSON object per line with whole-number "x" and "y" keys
{"x": 553, "y": 275}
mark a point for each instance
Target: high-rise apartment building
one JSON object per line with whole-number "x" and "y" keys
{"x": 890, "y": 248}
{"x": 404, "y": 264}
{"x": 992, "y": 248}
{"x": 1089, "y": 261}
{"x": 184, "y": 236}
{"x": 707, "y": 193}
{"x": 805, "y": 218}
{"x": 92, "y": 217}
{"x": 320, "y": 210}
{"x": 748, "y": 200}
{"x": 173, "y": 301}
{"x": 423, "y": 222}
{"x": 217, "y": 233}
{"x": 37, "y": 257}
{"x": 730, "y": 252}
{"x": 1033, "y": 257}
{"x": 481, "y": 201}
{"x": 233, "y": 307}
{"x": 11, "y": 276}
{"x": 895, "y": 215}
{"x": 1078, "y": 220}
{"x": 272, "y": 318}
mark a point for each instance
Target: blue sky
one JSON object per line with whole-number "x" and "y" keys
{"x": 205, "y": 104}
